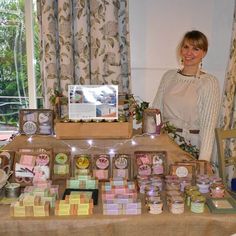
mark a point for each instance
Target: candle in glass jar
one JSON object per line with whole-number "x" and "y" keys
{"x": 217, "y": 190}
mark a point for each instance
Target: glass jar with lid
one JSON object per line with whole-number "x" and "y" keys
{"x": 202, "y": 177}
{"x": 151, "y": 191}
{"x": 157, "y": 181}
{"x": 185, "y": 182}
{"x": 189, "y": 195}
{"x": 172, "y": 193}
{"x": 155, "y": 206}
{"x": 217, "y": 190}
{"x": 216, "y": 180}
{"x": 172, "y": 185}
{"x": 204, "y": 185}
{"x": 176, "y": 205}
{"x": 197, "y": 204}
{"x": 142, "y": 183}
{"x": 191, "y": 188}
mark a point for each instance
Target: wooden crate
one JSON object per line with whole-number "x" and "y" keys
{"x": 100, "y": 130}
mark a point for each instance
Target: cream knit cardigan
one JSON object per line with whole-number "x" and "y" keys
{"x": 208, "y": 106}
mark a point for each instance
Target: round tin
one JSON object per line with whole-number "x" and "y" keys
{"x": 61, "y": 158}
{"x": 102, "y": 162}
{"x": 12, "y": 190}
{"x": 29, "y": 127}
{"x": 42, "y": 159}
{"x": 121, "y": 162}
{"x": 82, "y": 162}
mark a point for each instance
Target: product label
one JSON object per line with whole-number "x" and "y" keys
{"x": 102, "y": 162}
{"x": 182, "y": 171}
{"x": 61, "y": 158}
{"x": 29, "y": 127}
{"x": 121, "y": 162}
{"x": 144, "y": 170}
{"x": 82, "y": 162}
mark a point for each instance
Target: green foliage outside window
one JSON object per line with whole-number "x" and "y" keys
{"x": 13, "y": 61}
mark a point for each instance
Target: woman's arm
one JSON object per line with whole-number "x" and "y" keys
{"x": 209, "y": 111}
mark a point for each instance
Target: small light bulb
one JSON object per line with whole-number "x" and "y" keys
{"x": 111, "y": 152}
{"x": 90, "y": 142}
{"x": 133, "y": 142}
{"x": 152, "y": 136}
{"x": 73, "y": 149}
{"x": 30, "y": 139}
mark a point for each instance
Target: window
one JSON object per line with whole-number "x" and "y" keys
{"x": 14, "y": 83}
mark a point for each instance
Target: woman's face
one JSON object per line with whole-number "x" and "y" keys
{"x": 191, "y": 55}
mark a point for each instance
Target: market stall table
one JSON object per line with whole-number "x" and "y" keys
{"x": 166, "y": 223}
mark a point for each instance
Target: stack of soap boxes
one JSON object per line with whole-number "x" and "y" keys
{"x": 119, "y": 197}
{"x": 75, "y": 204}
{"x": 35, "y": 201}
{"x": 82, "y": 182}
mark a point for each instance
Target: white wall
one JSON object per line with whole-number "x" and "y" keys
{"x": 156, "y": 27}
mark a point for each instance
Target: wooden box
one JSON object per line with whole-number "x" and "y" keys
{"x": 36, "y": 121}
{"x": 95, "y": 130}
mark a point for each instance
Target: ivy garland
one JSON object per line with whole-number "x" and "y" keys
{"x": 183, "y": 144}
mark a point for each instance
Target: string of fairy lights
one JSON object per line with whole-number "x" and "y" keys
{"x": 91, "y": 143}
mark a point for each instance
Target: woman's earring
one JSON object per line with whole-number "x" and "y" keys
{"x": 181, "y": 64}
{"x": 199, "y": 70}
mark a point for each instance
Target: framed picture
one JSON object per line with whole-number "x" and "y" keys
{"x": 93, "y": 102}
{"x": 36, "y": 121}
{"x": 222, "y": 205}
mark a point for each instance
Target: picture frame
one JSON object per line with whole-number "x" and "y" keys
{"x": 226, "y": 205}
{"x": 93, "y": 102}
{"x": 36, "y": 121}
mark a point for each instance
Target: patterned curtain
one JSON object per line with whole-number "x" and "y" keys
{"x": 84, "y": 42}
{"x": 228, "y": 117}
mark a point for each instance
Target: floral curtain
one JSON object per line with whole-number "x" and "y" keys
{"x": 228, "y": 113}
{"x": 84, "y": 42}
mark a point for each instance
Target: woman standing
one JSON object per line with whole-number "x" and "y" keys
{"x": 189, "y": 98}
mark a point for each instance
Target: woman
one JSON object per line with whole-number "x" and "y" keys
{"x": 189, "y": 98}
